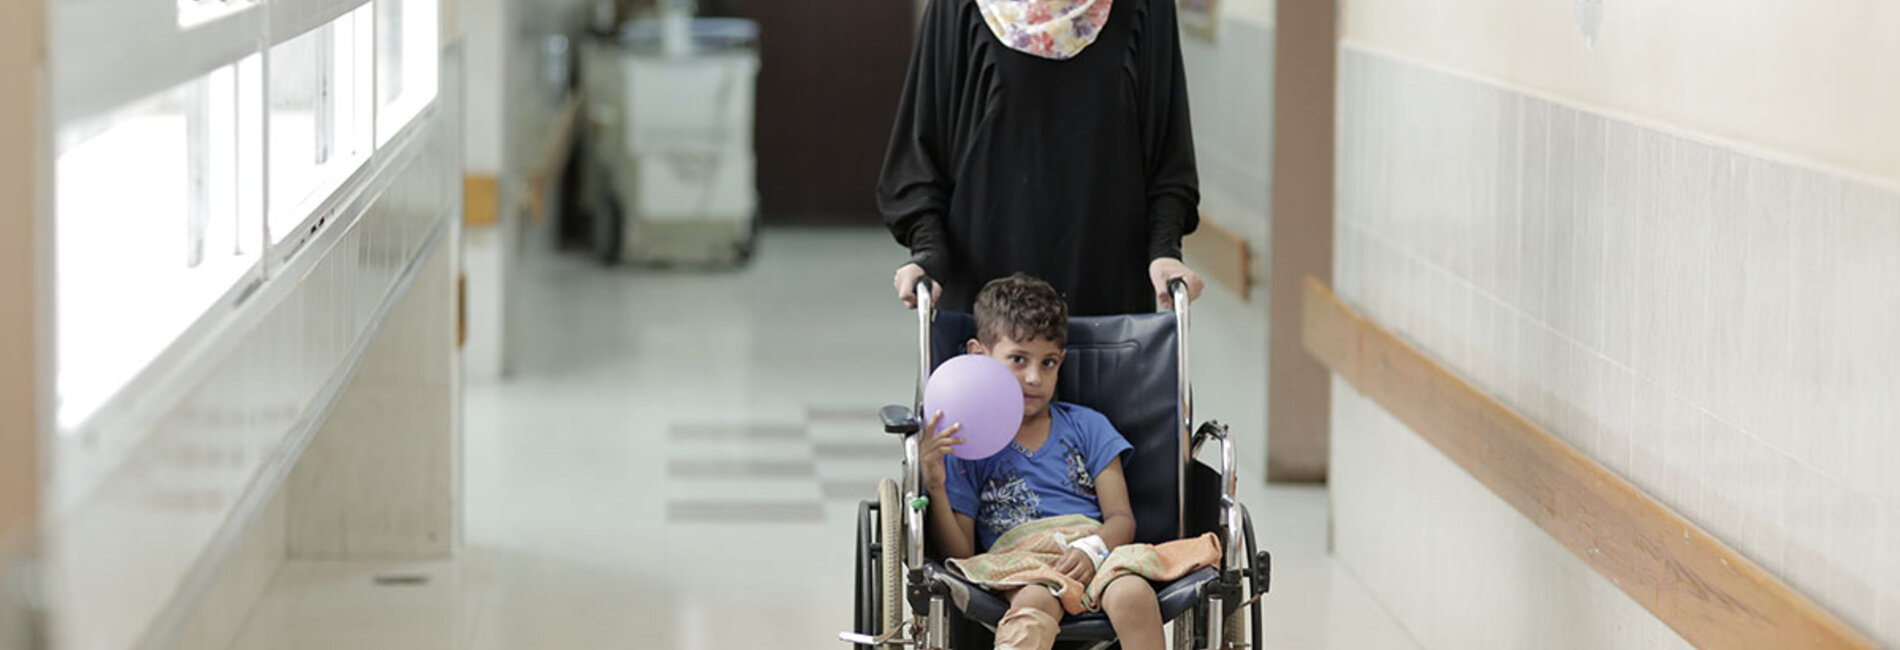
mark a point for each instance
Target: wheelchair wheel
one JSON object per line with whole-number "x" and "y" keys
{"x": 890, "y": 557}
{"x": 863, "y": 616}
{"x": 1259, "y": 570}
{"x": 1185, "y": 627}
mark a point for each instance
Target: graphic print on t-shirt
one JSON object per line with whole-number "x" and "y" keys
{"x": 1079, "y": 478}
{"x": 1008, "y": 502}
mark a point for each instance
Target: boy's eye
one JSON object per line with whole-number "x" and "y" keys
{"x": 1048, "y": 363}
{"x": 1018, "y": 359}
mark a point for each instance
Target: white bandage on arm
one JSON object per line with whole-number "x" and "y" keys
{"x": 1094, "y": 547}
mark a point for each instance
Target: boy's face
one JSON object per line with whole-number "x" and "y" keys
{"x": 1035, "y": 363}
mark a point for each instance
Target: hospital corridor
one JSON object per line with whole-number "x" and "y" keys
{"x": 949, "y": 325}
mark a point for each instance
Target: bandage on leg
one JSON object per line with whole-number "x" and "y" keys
{"x": 1026, "y": 628}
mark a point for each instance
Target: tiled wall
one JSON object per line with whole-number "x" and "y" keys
{"x": 1713, "y": 324}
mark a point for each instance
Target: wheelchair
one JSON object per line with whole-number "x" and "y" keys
{"x": 1133, "y": 369}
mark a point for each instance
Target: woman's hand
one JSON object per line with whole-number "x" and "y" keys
{"x": 1075, "y": 563}
{"x": 936, "y": 446}
{"x": 1164, "y": 269}
{"x": 906, "y": 283}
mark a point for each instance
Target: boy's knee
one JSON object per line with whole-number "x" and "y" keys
{"x": 1036, "y": 597}
{"x": 1128, "y": 594}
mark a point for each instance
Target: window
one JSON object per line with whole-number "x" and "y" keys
{"x": 319, "y": 117}
{"x": 406, "y": 63}
{"x": 167, "y": 204}
{"x": 156, "y": 211}
{"x": 192, "y": 13}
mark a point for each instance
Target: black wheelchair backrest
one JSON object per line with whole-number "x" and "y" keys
{"x": 1125, "y": 367}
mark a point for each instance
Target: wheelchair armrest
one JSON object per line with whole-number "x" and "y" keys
{"x": 1208, "y": 429}
{"x": 898, "y": 419}
{"x": 1231, "y": 511}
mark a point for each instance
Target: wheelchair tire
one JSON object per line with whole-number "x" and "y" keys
{"x": 1254, "y": 573}
{"x": 863, "y": 614}
{"x": 1186, "y": 628}
{"x": 890, "y": 557}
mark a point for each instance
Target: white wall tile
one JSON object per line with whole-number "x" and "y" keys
{"x": 1509, "y": 244}
{"x": 1620, "y": 239}
{"x": 1560, "y": 250}
{"x": 1616, "y": 438}
{"x": 1726, "y": 282}
{"x": 1590, "y": 231}
{"x": 1764, "y": 380}
{"x": 1534, "y": 208}
{"x": 1646, "y": 251}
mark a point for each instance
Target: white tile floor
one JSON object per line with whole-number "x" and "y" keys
{"x": 638, "y": 392}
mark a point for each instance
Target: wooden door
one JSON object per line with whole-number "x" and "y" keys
{"x": 830, "y": 75}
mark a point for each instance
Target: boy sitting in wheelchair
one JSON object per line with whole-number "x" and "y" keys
{"x": 1032, "y": 509}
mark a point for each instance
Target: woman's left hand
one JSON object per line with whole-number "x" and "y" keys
{"x": 1164, "y": 269}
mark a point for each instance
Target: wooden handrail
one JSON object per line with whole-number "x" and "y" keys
{"x": 1222, "y": 257}
{"x": 1695, "y": 584}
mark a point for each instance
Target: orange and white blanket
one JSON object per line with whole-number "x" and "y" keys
{"x": 1026, "y": 555}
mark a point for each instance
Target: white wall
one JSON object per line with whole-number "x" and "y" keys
{"x": 1792, "y": 78}
{"x": 1705, "y": 317}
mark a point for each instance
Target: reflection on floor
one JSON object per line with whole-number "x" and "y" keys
{"x": 677, "y": 458}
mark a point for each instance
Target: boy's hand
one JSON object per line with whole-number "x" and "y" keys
{"x": 936, "y": 446}
{"x": 1075, "y": 563}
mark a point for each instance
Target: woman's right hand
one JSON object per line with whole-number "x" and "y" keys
{"x": 906, "y": 283}
{"x": 937, "y": 444}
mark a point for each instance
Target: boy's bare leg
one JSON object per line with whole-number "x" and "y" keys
{"x": 1133, "y": 609}
{"x": 1032, "y": 621}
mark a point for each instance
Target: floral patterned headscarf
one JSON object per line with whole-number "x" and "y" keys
{"x": 1051, "y": 29}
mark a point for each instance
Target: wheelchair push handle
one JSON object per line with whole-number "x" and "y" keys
{"x": 924, "y": 284}
{"x": 1178, "y": 289}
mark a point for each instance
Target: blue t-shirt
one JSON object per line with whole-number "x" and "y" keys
{"x": 1017, "y": 486}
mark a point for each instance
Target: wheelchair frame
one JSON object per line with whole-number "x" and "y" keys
{"x": 926, "y": 595}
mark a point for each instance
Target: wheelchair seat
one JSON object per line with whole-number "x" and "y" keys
{"x": 986, "y": 607}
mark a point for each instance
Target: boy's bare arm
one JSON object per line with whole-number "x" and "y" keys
{"x": 1118, "y": 517}
{"x": 953, "y": 532}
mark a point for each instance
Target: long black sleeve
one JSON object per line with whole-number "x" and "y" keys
{"x": 1168, "y": 135}
{"x": 913, "y": 192}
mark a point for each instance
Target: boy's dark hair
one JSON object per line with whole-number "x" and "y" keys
{"x": 1023, "y": 308}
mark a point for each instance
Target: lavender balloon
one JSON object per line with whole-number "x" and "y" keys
{"x": 983, "y": 395}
